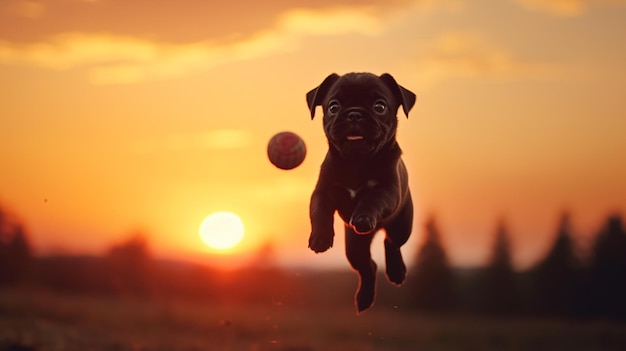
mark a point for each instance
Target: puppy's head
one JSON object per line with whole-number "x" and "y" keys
{"x": 360, "y": 111}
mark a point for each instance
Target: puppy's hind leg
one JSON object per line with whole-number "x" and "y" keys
{"x": 398, "y": 232}
{"x": 360, "y": 258}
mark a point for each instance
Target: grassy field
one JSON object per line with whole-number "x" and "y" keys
{"x": 46, "y": 321}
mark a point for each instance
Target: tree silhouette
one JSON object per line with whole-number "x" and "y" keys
{"x": 608, "y": 270}
{"x": 15, "y": 251}
{"x": 499, "y": 294}
{"x": 265, "y": 257}
{"x": 556, "y": 279}
{"x": 131, "y": 266}
{"x": 432, "y": 281}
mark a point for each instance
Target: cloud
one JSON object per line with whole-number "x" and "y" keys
{"x": 70, "y": 50}
{"x": 471, "y": 54}
{"x": 215, "y": 139}
{"x": 568, "y": 8}
{"x": 31, "y": 9}
{"x": 115, "y": 59}
{"x": 223, "y": 139}
{"x": 280, "y": 189}
{"x": 336, "y": 21}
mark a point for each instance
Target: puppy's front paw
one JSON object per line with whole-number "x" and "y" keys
{"x": 320, "y": 242}
{"x": 363, "y": 224}
{"x": 396, "y": 269}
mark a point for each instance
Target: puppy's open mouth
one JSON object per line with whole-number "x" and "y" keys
{"x": 354, "y": 137}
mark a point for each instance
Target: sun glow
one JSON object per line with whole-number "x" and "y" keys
{"x": 222, "y": 230}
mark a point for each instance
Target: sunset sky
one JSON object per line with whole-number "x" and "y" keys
{"x": 149, "y": 115}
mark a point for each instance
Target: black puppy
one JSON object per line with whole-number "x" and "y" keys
{"x": 363, "y": 176}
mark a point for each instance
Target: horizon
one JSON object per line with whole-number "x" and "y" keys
{"x": 267, "y": 255}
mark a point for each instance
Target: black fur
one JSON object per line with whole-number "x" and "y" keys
{"x": 363, "y": 177}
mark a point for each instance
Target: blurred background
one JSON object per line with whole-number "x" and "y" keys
{"x": 124, "y": 125}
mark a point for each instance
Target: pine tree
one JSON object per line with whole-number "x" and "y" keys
{"x": 432, "y": 280}
{"x": 608, "y": 270}
{"x": 556, "y": 279}
{"x": 499, "y": 293}
{"x": 15, "y": 251}
{"x": 20, "y": 253}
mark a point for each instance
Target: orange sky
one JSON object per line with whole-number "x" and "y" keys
{"x": 122, "y": 115}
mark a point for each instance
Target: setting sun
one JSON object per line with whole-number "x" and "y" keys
{"x": 221, "y": 230}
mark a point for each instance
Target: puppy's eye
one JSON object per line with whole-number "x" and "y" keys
{"x": 333, "y": 107}
{"x": 380, "y": 107}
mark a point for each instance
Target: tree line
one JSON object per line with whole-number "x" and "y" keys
{"x": 128, "y": 269}
{"x": 562, "y": 284}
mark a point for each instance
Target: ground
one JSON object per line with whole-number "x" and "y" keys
{"x": 50, "y": 321}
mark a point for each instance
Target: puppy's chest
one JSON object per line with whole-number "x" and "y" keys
{"x": 348, "y": 194}
{"x": 355, "y": 189}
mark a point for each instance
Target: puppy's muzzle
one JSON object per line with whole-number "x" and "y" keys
{"x": 354, "y": 116}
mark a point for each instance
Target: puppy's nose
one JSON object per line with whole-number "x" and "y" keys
{"x": 354, "y": 116}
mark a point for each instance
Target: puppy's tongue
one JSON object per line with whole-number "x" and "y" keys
{"x": 354, "y": 137}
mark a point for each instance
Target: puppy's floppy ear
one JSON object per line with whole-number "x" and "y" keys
{"x": 315, "y": 96}
{"x": 405, "y": 96}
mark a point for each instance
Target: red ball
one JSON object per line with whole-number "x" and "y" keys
{"x": 286, "y": 150}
